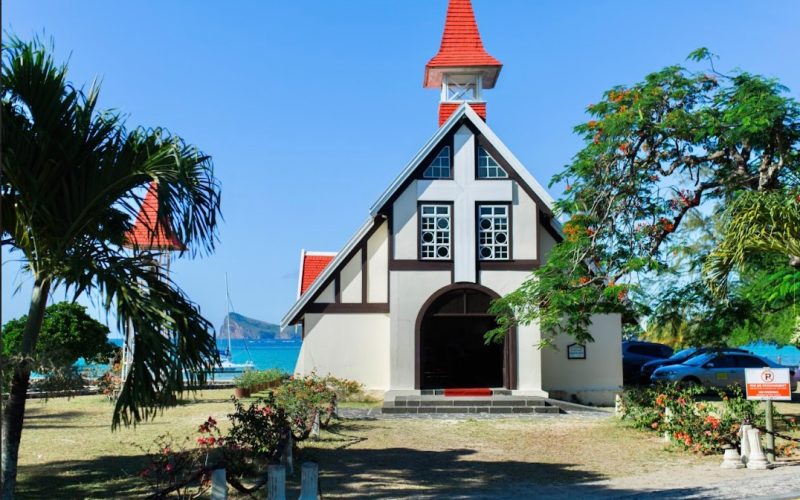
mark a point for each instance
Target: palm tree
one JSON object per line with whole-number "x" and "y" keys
{"x": 756, "y": 223}
{"x": 73, "y": 179}
{"x": 760, "y": 225}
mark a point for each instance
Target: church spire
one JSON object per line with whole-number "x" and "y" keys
{"x": 462, "y": 68}
{"x": 150, "y": 231}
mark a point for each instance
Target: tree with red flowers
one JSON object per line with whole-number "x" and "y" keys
{"x": 680, "y": 144}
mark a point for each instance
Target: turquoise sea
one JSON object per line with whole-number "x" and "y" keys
{"x": 264, "y": 354}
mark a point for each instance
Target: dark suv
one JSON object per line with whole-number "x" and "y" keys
{"x": 636, "y": 353}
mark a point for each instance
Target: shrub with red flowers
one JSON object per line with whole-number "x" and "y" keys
{"x": 303, "y": 398}
{"x": 693, "y": 425}
{"x": 175, "y": 466}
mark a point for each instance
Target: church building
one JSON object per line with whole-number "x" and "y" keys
{"x": 403, "y": 307}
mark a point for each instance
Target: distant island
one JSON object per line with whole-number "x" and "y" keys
{"x": 242, "y": 327}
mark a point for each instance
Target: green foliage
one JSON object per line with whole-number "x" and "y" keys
{"x": 656, "y": 155}
{"x": 258, "y": 380}
{"x": 691, "y": 424}
{"x": 73, "y": 180}
{"x": 68, "y": 333}
{"x": 304, "y": 399}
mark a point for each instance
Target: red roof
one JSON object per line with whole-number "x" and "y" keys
{"x": 461, "y": 45}
{"x": 312, "y": 265}
{"x": 146, "y": 234}
{"x": 448, "y": 108}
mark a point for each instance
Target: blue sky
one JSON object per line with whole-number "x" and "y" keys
{"x": 311, "y": 108}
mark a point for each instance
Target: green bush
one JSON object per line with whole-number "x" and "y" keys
{"x": 693, "y": 425}
{"x": 258, "y": 380}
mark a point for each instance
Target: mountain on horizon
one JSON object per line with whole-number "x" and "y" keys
{"x": 242, "y": 327}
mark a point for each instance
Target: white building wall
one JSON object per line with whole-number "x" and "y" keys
{"x": 595, "y": 379}
{"x": 350, "y": 280}
{"x": 408, "y": 292}
{"x": 378, "y": 265}
{"x": 529, "y": 356}
{"x": 352, "y": 346}
{"x": 328, "y": 295}
{"x": 405, "y": 224}
{"x": 524, "y": 226}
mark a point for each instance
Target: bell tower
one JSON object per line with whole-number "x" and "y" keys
{"x": 462, "y": 69}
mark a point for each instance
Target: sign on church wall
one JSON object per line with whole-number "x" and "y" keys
{"x": 576, "y": 351}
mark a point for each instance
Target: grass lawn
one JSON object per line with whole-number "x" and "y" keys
{"x": 69, "y": 451}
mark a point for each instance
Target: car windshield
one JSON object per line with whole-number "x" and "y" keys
{"x": 684, "y": 353}
{"x": 700, "y": 360}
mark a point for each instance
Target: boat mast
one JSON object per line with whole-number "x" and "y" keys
{"x": 228, "y": 317}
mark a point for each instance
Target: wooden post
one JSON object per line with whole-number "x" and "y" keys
{"x": 315, "y": 427}
{"x": 276, "y": 482}
{"x": 219, "y": 485}
{"x": 309, "y": 486}
{"x": 287, "y": 458}
{"x": 770, "y": 429}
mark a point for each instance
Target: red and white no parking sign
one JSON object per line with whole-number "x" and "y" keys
{"x": 768, "y": 383}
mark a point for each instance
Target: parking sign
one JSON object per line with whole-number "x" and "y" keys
{"x": 768, "y": 383}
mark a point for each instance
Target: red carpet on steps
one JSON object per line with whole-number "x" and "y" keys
{"x": 467, "y": 392}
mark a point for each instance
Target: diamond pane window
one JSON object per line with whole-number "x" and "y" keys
{"x": 434, "y": 237}
{"x": 440, "y": 166}
{"x": 488, "y": 168}
{"x": 493, "y": 232}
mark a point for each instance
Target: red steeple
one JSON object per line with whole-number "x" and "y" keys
{"x": 145, "y": 234}
{"x": 461, "y": 48}
{"x": 462, "y": 68}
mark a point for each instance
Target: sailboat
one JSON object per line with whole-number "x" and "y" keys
{"x": 226, "y": 364}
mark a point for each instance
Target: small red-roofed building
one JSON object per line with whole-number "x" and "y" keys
{"x": 403, "y": 307}
{"x": 150, "y": 233}
{"x": 311, "y": 265}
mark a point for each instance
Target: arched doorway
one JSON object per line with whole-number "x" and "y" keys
{"x": 451, "y": 352}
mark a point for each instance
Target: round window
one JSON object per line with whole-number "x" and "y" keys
{"x": 442, "y": 223}
{"x": 500, "y": 238}
{"x": 442, "y": 252}
{"x": 427, "y": 237}
{"x": 486, "y": 252}
{"x": 486, "y": 224}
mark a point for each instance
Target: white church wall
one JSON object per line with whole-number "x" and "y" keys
{"x": 524, "y": 218}
{"x": 405, "y": 223}
{"x": 595, "y": 379}
{"x": 547, "y": 242}
{"x": 408, "y": 292}
{"x": 353, "y": 346}
{"x": 378, "y": 265}
{"x": 350, "y": 280}
{"x": 529, "y": 357}
{"x": 327, "y": 296}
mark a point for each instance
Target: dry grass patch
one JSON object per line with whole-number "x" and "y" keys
{"x": 451, "y": 457}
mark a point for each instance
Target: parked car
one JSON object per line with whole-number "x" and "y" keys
{"x": 714, "y": 370}
{"x": 636, "y": 353}
{"x": 680, "y": 357}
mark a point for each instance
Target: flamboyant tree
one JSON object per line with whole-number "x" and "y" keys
{"x": 678, "y": 143}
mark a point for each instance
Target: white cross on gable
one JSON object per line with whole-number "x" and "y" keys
{"x": 465, "y": 191}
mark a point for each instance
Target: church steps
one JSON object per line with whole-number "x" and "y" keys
{"x": 426, "y": 404}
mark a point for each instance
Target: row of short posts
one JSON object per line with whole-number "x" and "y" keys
{"x": 276, "y": 478}
{"x": 276, "y": 483}
{"x": 752, "y": 456}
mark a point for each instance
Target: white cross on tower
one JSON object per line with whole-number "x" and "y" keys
{"x": 465, "y": 191}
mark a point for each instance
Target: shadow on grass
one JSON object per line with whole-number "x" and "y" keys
{"x": 413, "y": 473}
{"x": 101, "y": 477}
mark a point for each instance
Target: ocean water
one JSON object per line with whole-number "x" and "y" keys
{"x": 264, "y": 354}
{"x": 787, "y": 355}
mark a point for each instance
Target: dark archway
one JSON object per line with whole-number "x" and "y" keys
{"x": 451, "y": 352}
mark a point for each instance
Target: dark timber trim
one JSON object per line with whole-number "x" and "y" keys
{"x": 364, "y": 276}
{"x": 508, "y": 265}
{"x": 420, "y": 265}
{"x": 346, "y": 308}
{"x": 509, "y": 343}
